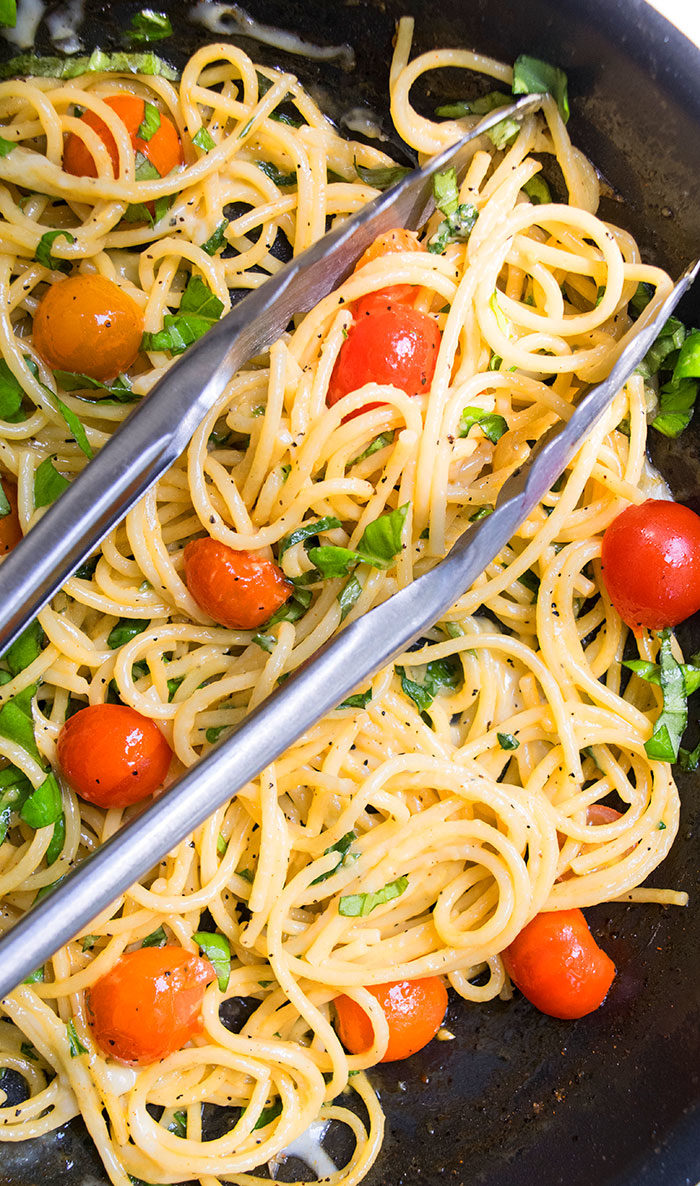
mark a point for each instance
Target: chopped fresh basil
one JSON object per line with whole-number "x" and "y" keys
{"x": 6, "y": 146}
{"x": 76, "y": 1046}
{"x": 689, "y": 759}
{"x": 217, "y": 239}
{"x": 44, "y": 806}
{"x": 503, "y": 132}
{"x": 214, "y": 733}
{"x": 491, "y": 424}
{"x": 199, "y": 310}
{"x": 221, "y": 843}
{"x": 275, "y": 174}
{"x": 348, "y": 596}
{"x": 35, "y": 977}
{"x": 537, "y": 190}
{"x": 88, "y": 942}
{"x": 307, "y": 531}
{"x": 439, "y": 673}
{"x": 360, "y": 905}
{"x": 144, "y": 169}
{"x": 294, "y": 608}
{"x": 380, "y": 442}
{"x": 178, "y": 1124}
{"x": 119, "y": 388}
{"x": 150, "y": 122}
{"x": 456, "y": 228}
{"x": 532, "y": 75}
{"x": 664, "y": 743}
{"x": 11, "y": 394}
{"x": 482, "y": 513}
{"x": 74, "y": 424}
{"x": 15, "y": 788}
{"x": 268, "y": 1115}
{"x": 5, "y": 508}
{"x": 380, "y": 543}
{"x": 651, "y": 672}
{"x": 8, "y": 13}
{"x": 341, "y": 847}
{"x": 218, "y": 951}
{"x": 125, "y": 630}
{"x": 49, "y": 484}
{"x": 446, "y": 191}
{"x": 87, "y": 570}
{"x": 677, "y": 397}
{"x": 204, "y": 139}
{"x": 57, "y": 840}
{"x": 16, "y": 721}
{"x": 357, "y": 700}
{"x": 43, "y": 251}
{"x": 282, "y": 118}
{"x": 29, "y": 1051}
{"x": 25, "y": 649}
{"x": 35, "y": 66}
{"x": 383, "y": 177}
{"x": 266, "y": 642}
{"x": 157, "y": 938}
{"x": 507, "y": 741}
{"x": 147, "y": 26}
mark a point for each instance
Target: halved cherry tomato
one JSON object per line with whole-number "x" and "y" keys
{"x": 651, "y": 564}
{"x": 557, "y": 964}
{"x": 398, "y": 239}
{"x": 149, "y": 1004}
{"x": 414, "y": 1010}
{"x": 90, "y": 325}
{"x": 163, "y": 150}
{"x": 237, "y": 589}
{"x": 397, "y": 345}
{"x": 112, "y": 755}
{"x": 598, "y": 814}
{"x": 10, "y": 530}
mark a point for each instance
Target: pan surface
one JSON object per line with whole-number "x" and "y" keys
{"x": 518, "y": 1098}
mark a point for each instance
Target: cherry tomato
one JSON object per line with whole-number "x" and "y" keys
{"x": 112, "y": 755}
{"x": 90, "y": 325}
{"x": 10, "y": 530}
{"x": 163, "y": 150}
{"x": 395, "y": 345}
{"x": 149, "y": 1004}
{"x": 398, "y": 239}
{"x": 598, "y": 814}
{"x": 237, "y": 589}
{"x": 557, "y": 964}
{"x": 651, "y": 564}
{"x": 414, "y": 1010}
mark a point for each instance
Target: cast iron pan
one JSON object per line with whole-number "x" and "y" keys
{"x": 520, "y": 1099}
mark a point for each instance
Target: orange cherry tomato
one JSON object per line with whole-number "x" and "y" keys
{"x": 163, "y": 150}
{"x": 90, "y": 325}
{"x": 10, "y": 530}
{"x": 651, "y": 564}
{"x": 598, "y": 814}
{"x": 396, "y": 345}
{"x": 414, "y": 1010}
{"x": 112, "y": 755}
{"x": 557, "y": 964}
{"x": 237, "y": 589}
{"x": 149, "y": 1004}
{"x": 398, "y": 239}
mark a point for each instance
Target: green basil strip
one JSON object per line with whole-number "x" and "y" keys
{"x": 214, "y": 733}
{"x": 150, "y": 122}
{"x": 204, "y": 140}
{"x": 383, "y": 177}
{"x": 37, "y": 66}
{"x": 537, "y": 190}
{"x": 381, "y": 539}
{"x": 157, "y": 938}
{"x": 16, "y": 722}
{"x": 491, "y": 424}
{"x": 333, "y": 561}
{"x": 664, "y": 743}
{"x": 217, "y": 239}
{"x": 380, "y": 442}
{"x": 676, "y": 406}
{"x": 455, "y": 229}
{"x": 360, "y": 905}
{"x": 532, "y": 75}
{"x": 199, "y": 310}
{"x": 147, "y": 26}
{"x": 307, "y": 531}
{"x": 357, "y": 700}
{"x": 119, "y": 388}
{"x": 43, "y": 251}
{"x": 276, "y": 175}
{"x": 125, "y": 630}
{"x": 57, "y": 841}
{"x": 178, "y": 1124}
{"x": 6, "y": 146}
{"x": 507, "y": 741}
{"x": 266, "y": 642}
{"x": 268, "y": 1115}
{"x": 25, "y": 649}
{"x": 218, "y": 951}
{"x": 74, "y": 424}
{"x": 348, "y": 596}
{"x": 689, "y": 759}
{"x": 44, "y": 806}
{"x": 292, "y": 610}
{"x": 48, "y": 484}
{"x": 35, "y": 977}
{"x": 8, "y": 13}
{"x": 11, "y": 395}
{"x": 446, "y": 191}
{"x": 76, "y": 1046}
{"x": 341, "y": 847}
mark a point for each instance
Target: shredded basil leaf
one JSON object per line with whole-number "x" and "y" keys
{"x": 199, "y": 310}
{"x": 157, "y": 938}
{"x": 44, "y": 806}
{"x": 380, "y": 442}
{"x": 178, "y": 1124}
{"x": 380, "y": 543}
{"x": 383, "y": 177}
{"x": 348, "y": 596}
{"x": 43, "y": 251}
{"x": 307, "y": 531}
{"x": 439, "y": 673}
{"x": 147, "y": 26}
{"x": 8, "y": 13}
{"x": 360, "y": 905}
{"x": 125, "y": 630}
{"x": 214, "y": 733}
{"x": 446, "y": 191}
{"x": 57, "y": 841}
{"x": 664, "y": 743}
{"x": 73, "y": 422}
{"x": 35, "y": 977}
{"x": 266, "y": 642}
{"x": 6, "y": 146}
{"x": 25, "y": 649}
{"x": 218, "y": 951}
{"x": 35, "y": 66}
{"x": 689, "y": 759}
{"x": 76, "y": 1046}
{"x": 502, "y": 133}
{"x": 532, "y": 75}
{"x": 204, "y": 139}
{"x": 537, "y": 190}
{"x": 491, "y": 424}
{"x": 119, "y": 388}
{"x": 357, "y": 700}
{"x": 275, "y": 174}
{"x": 292, "y": 610}
{"x": 482, "y": 513}
{"x": 507, "y": 741}
{"x": 217, "y": 239}
{"x": 456, "y": 228}
{"x": 268, "y": 1115}
{"x": 341, "y": 847}
{"x": 11, "y": 395}
{"x": 150, "y": 122}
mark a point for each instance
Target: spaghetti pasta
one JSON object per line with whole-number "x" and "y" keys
{"x": 462, "y": 776}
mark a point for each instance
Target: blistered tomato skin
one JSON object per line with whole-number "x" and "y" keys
{"x": 651, "y": 564}
{"x": 10, "y": 530}
{"x": 240, "y": 590}
{"x": 414, "y": 1010}
{"x": 149, "y": 1004}
{"x": 112, "y": 756}
{"x": 388, "y": 344}
{"x": 89, "y": 325}
{"x": 163, "y": 150}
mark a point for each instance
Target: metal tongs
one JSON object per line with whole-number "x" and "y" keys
{"x": 152, "y": 438}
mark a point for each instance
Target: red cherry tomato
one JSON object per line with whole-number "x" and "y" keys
{"x": 598, "y": 814}
{"x": 112, "y": 755}
{"x": 557, "y": 964}
{"x": 149, "y": 1004}
{"x": 88, "y": 324}
{"x": 163, "y": 150}
{"x": 10, "y": 530}
{"x": 237, "y": 589}
{"x": 396, "y": 240}
{"x": 651, "y": 564}
{"x": 414, "y": 1010}
{"x": 395, "y": 345}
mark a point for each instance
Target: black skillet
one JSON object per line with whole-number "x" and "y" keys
{"x": 518, "y": 1099}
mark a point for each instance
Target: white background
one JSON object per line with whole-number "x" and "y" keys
{"x": 685, "y": 14}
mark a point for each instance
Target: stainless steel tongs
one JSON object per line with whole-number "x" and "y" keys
{"x": 148, "y": 443}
